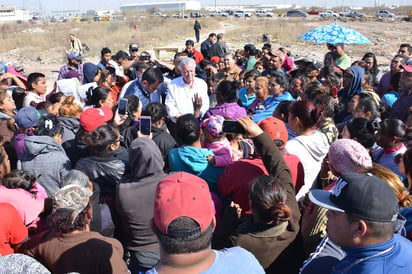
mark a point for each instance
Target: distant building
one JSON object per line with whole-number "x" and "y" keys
{"x": 172, "y": 5}
{"x": 11, "y": 13}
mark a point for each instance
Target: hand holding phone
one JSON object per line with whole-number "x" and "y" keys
{"x": 123, "y": 106}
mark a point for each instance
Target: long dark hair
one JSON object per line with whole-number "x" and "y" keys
{"x": 306, "y": 111}
{"x": 268, "y": 200}
{"x": 100, "y": 139}
{"x": 187, "y": 129}
{"x": 20, "y": 179}
{"x": 94, "y": 96}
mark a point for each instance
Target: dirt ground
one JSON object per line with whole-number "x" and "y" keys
{"x": 385, "y": 37}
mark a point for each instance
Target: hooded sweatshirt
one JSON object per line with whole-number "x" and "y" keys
{"x": 89, "y": 71}
{"x": 194, "y": 160}
{"x": 46, "y": 159}
{"x": 137, "y": 191}
{"x": 311, "y": 149}
{"x": 355, "y": 88}
{"x": 70, "y": 127}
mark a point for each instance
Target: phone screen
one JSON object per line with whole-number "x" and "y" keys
{"x": 145, "y": 125}
{"x": 123, "y": 106}
{"x": 233, "y": 127}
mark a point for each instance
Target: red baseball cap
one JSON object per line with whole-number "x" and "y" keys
{"x": 182, "y": 195}
{"x": 276, "y": 129}
{"x": 407, "y": 68}
{"x": 92, "y": 118}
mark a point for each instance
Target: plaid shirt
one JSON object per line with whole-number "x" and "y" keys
{"x": 66, "y": 68}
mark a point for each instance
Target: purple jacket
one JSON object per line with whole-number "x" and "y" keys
{"x": 227, "y": 110}
{"x": 19, "y": 144}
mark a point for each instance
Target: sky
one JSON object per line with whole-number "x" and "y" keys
{"x": 84, "y": 5}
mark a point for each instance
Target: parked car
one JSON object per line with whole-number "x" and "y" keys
{"x": 313, "y": 12}
{"x": 296, "y": 13}
{"x": 329, "y": 14}
{"x": 263, "y": 13}
{"x": 355, "y": 14}
{"x": 219, "y": 14}
{"x": 344, "y": 13}
{"x": 242, "y": 13}
{"x": 196, "y": 15}
{"x": 384, "y": 13}
{"x": 160, "y": 14}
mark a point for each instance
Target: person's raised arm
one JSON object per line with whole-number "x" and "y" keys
{"x": 274, "y": 162}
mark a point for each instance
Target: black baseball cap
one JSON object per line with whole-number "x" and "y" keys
{"x": 361, "y": 195}
{"x": 133, "y": 47}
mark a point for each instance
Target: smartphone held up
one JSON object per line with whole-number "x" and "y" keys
{"x": 145, "y": 125}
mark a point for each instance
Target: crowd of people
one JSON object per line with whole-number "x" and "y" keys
{"x": 224, "y": 161}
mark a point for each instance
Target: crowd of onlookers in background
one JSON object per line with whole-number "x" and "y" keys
{"x": 224, "y": 161}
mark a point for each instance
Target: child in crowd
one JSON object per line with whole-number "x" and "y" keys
{"x": 390, "y": 139}
{"x": 247, "y": 93}
{"x": 37, "y": 89}
{"x": 27, "y": 120}
{"x": 215, "y": 139}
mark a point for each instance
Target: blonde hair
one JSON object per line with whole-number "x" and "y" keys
{"x": 264, "y": 81}
{"x": 70, "y": 108}
{"x": 401, "y": 193}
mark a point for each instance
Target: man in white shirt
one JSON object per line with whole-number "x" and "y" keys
{"x": 187, "y": 94}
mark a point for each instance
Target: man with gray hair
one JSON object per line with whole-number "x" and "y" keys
{"x": 219, "y": 48}
{"x": 187, "y": 93}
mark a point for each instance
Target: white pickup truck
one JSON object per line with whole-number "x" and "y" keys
{"x": 242, "y": 13}
{"x": 219, "y": 14}
{"x": 328, "y": 14}
{"x": 264, "y": 13}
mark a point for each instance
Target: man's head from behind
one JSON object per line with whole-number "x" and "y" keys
{"x": 405, "y": 81}
{"x": 362, "y": 210}
{"x": 220, "y": 37}
{"x": 276, "y": 129}
{"x": 183, "y": 217}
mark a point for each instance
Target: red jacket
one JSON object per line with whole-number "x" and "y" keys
{"x": 197, "y": 55}
{"x": 234, "y": 181}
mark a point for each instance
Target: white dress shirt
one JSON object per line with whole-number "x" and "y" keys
{"x": 179, "y": 99}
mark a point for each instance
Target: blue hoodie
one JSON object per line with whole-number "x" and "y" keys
{"x": 194, "y": 160}
{"x": 356, "y": 84}
{"x": 89, "y": 71}
{"x": 355, "y": 88}
{"x": 266, "y": 108}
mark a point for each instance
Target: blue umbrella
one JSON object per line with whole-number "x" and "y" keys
{"x": 334, "y": 34}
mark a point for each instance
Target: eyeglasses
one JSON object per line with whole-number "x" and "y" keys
{"x": 134, "y": 49}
